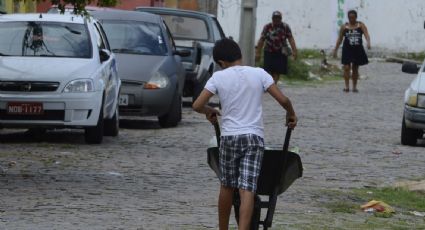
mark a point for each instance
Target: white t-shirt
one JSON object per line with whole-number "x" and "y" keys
{"x": 240, "y": 90}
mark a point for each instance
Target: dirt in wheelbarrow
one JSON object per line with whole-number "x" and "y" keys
{"x": 154, "y": 178}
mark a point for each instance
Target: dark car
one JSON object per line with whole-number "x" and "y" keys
{"x": 197, "y": 32}
{"x": 148, "y": 64}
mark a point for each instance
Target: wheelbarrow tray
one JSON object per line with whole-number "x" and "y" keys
{"x": 275, "y": 166}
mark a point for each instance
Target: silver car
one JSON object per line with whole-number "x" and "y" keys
{"x": 57, "y": 71}
{"x": 149, "y": 65}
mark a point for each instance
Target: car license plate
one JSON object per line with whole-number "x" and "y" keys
{"x": 25, "y": 108}
{"x": 123, "y": 99}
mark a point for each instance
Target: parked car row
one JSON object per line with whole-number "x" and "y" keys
{"x": 70, "y": 71}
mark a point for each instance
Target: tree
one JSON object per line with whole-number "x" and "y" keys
{"x": 79, "y": 5}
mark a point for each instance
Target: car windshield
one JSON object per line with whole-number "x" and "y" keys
{"x": 48, "y": 39}
{"x": 135, "y": 37}
{"x": 186, "y": 28}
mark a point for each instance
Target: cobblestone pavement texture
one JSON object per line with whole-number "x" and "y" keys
{"x": 153, "y": 178}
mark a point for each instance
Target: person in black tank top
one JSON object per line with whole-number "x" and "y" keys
{"x": 353, "y": 52}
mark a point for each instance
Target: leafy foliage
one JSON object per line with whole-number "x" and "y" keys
{"x": 79, "y": 5}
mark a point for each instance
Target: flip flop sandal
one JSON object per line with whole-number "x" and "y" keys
{"x": 346, "y": 90}
{"x": 355, "y": 90}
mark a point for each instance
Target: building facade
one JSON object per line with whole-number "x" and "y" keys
{"x": 394, "y": 26}
{"x": 17, "y": 6}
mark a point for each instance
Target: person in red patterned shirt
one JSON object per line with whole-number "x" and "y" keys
{"x": 274, "y": 40}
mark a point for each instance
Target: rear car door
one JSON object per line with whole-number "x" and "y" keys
{"x": 108, "y": 72}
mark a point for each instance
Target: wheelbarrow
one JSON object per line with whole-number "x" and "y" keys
{"x": 280, "y": 168}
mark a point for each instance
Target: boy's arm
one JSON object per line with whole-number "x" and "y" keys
{"x": 200, "y": 106}
{"x": 291, "y": 118}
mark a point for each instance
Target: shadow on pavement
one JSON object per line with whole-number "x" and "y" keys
{"x": 139, "y": 124}
{"x": 65, "y": 136}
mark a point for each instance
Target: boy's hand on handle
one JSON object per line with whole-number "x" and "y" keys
{"x": 291, "y": 121}
{"x": 212, "y": 114}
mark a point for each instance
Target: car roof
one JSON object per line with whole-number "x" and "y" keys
{"x": 126, "y": 15}
{"x": 43, "y": 18}
{"x": 175, "y": 11}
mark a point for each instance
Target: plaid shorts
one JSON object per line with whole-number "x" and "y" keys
{"x": 240, "y": 161}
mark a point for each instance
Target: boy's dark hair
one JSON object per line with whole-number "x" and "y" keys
{"x": 226, "y": 50}
{"x": 352, "y": 12}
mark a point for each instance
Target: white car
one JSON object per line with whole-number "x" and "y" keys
{"x": 57, "y": 71}
{"x": 413, "y": 124}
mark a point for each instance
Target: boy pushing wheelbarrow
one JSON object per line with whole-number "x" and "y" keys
{"x": 240, "y": 90}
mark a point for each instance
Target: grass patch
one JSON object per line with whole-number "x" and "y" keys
{"x": 401, "y": 199}
{"x": 415, "y": 56}
{"x": 396, "y": 197}
{"x": 343, "y": 207}
{"x": 309, "y": 54}
{"x": 297, "y": 69}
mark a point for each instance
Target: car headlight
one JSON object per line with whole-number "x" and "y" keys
{"x": 157, "y": 81}
{"x": 79, "y": 86}
{"x": 412, "y": 100}
{"x": 421, "y": 100}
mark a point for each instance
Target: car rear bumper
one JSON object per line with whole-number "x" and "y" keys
{"x": 146, "y": 102}
{"x": 60, "y": 110}
{"x": 414, "y": 117}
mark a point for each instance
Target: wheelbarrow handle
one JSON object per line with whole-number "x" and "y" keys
{"x": 217, "y": 133}
{"x": 287, "y": 138}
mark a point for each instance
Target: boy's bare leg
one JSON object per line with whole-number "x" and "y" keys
{"x": 225, "y": 201}
{"x": 246, "y": 209}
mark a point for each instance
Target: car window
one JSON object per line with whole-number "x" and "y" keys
{"x": 135, "y": 37}
{"x": 187, "y": 27}
{"x": 218, "y": 31}
{"x": 99, "y": 39}
{"x": 48, "y": 39}
{"x": 103, "y": 39}
{"x": 169, "y": 37}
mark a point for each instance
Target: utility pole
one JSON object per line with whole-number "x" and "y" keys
{"x": 247, "y": 31}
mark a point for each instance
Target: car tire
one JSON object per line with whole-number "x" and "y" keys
{"x": 112, "y": 126}
{"x": 409, "y": 136}
{"x": 94, "y": 134}
{"x": 174, "y": 115}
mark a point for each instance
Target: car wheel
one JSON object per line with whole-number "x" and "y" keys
{"x": 174, "y": 115}
{"x": 112, "y": 126}
{"x": 94, "y": 134}
{"x": 409, "y": 136}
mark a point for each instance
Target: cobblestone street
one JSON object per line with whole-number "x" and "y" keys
{"x": 153, "y": 178}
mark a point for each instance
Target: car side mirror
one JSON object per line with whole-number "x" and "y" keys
{"x": 410, "y": 67}
{"x": 104, "y": 55}
{"x": 182, "y": 53}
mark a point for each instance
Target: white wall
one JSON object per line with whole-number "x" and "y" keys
{"x": 394, "y": 25}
